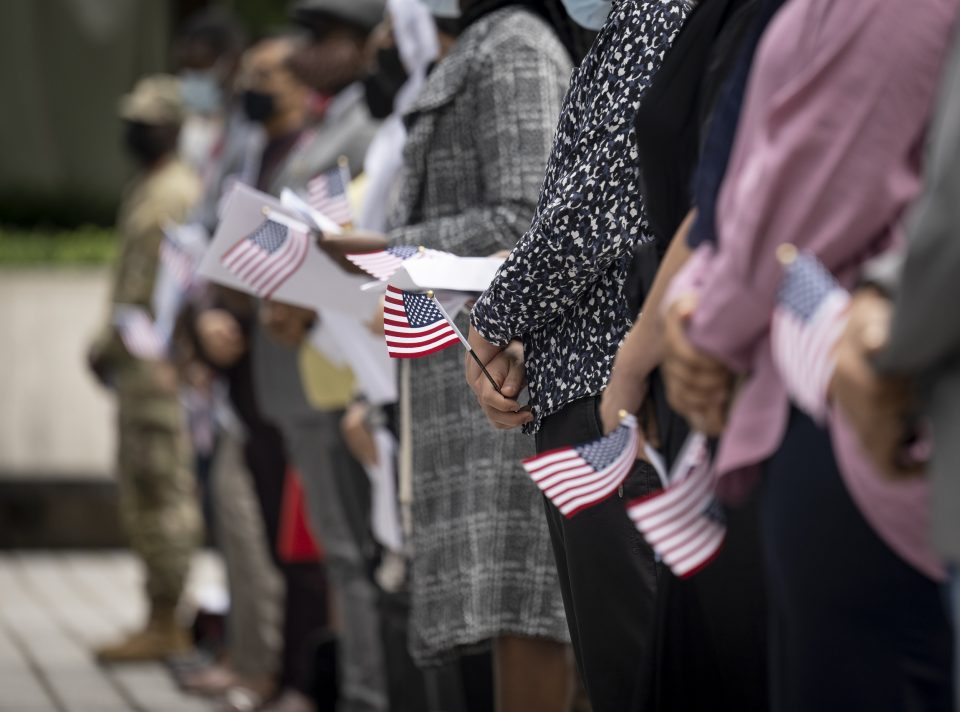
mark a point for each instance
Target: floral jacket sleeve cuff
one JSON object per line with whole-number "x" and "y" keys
{"x": 488, "y": 324}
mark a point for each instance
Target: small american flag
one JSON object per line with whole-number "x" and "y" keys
{"x": 382, "y": 264}
{"x": 270, "y": 255}
{"x": 807, "y": 323}
{"x": 327, "y": 193}
{"x": 138, "y": 332}
{"x": 178, "y": 261}
{"x": 575, "y": 478}
{"x": 414, "y": 325}
{"x": 683, "y": 523}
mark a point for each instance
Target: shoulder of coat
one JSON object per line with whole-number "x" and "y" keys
{"x": 169, "y": 193}
{"x": 514, "y": 29}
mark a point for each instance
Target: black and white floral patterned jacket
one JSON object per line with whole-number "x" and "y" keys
{"x": 562, "y": 289}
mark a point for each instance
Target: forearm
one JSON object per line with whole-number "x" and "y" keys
{"x": 643, "y": 349}
{"x": 339, "y": 246}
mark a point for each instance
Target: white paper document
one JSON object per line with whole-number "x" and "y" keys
{"x": 317, "y": 282}
{"x": 447, "y": 273}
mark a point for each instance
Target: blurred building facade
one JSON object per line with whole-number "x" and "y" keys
{"x": 64, "y": 65}
{"x": 65, "y": 62}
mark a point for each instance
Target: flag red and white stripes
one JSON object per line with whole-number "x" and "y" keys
{"x": 270, "y": 255}
{"x": 414, "y": 325}
{"x": 327, "y": 193}
{"x": 178, "y": 262}
{"x": 807, "y": 323}
{"x": 575, "y": 478}
{"x": 683, "y": 523}
{"x": 138, "y": 332}
{"x": 383, "y": 264}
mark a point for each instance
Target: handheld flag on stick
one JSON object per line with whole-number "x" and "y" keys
{"x": 383, "y": 264}
{"x": 466, "y": 344}
{"x": 416, "y": 325}
{"x": 179, "y": 262}
{"x": 138, "y": 332}
{"x": 683, "y": 522}
{"x": 807, "y": 324}
{"x": 575, "y": 478}
{"x": 327, "y": 193}
{"x": 270, "y": 255}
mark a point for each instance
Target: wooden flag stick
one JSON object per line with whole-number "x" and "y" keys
{"x": 466, "y": 344}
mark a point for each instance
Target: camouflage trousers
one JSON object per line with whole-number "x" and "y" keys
{"x": 158, "y": 501}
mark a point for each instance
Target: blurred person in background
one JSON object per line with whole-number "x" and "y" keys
{"x": 333, "y": 63}
{"x": 157, "y": 495}
{"x": 301, "y": 389}
{"x": 400, "y": 52}
{"x": 897, "y": 362}
{"x": 225, "y": 327}
{"x": 307, "y": 405}
{"x": 207, "y": 53}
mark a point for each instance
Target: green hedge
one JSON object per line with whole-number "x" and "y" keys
{"x": 86, "y": 245}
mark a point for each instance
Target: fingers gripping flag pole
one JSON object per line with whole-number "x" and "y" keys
{"x": 683, "y": 523}
{"x": 466, "y": 344}
{"x": 576, "y": 478}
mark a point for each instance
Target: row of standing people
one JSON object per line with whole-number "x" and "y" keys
{"x": 691, "y": 142}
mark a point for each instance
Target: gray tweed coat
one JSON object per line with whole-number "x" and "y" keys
{"x": 479, "y": 138}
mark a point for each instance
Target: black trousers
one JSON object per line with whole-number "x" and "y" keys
{"x": 853, "y": 626}
{"x": 608, "y": 576}
{"x": 712, "y": 627}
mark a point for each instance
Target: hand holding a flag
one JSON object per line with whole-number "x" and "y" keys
{"x": 699, "y": 387}
{"x": 506, "y": 367}
{"x": 337, "y": 247}
{"x": 876, "y": 406}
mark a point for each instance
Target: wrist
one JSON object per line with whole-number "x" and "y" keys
{"x": 627, "y": 392}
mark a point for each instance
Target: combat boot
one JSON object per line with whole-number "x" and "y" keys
{"x": 160, "y": 639}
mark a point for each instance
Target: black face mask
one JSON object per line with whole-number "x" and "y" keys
{"x": 259, "y": 106}
{"x": 143, "y": 142}
{"x": 381, "y": 87}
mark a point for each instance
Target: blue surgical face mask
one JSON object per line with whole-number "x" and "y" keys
{"x": 201, "y": 91}
{"x": 447, "y": 9}
{"x": 589, "y": 14}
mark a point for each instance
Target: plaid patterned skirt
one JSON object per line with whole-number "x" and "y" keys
{"x": 482, "y": 562}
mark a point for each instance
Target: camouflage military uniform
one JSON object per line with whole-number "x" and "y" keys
{"x": 157, "y": 499}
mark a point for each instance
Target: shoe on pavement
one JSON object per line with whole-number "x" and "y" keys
{"x": 160, "y": 639}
